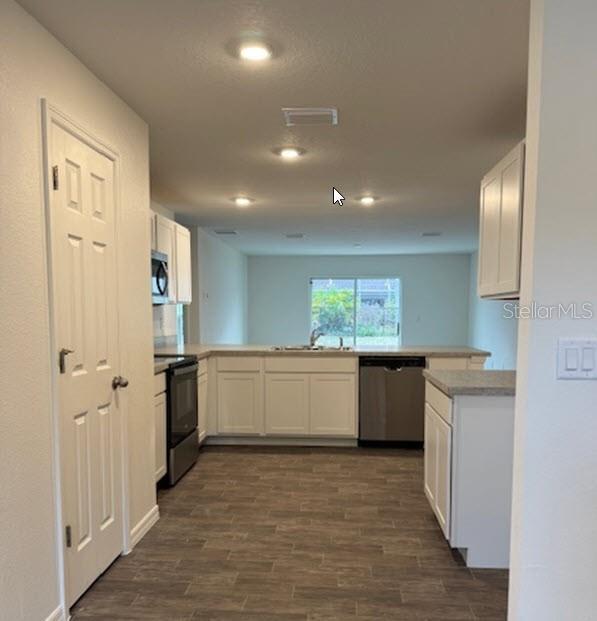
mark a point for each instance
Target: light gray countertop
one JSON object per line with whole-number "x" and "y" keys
{"x": 479, "y": 383}
{"x": 440, "y": 351}
{"x": 159, "y": 366}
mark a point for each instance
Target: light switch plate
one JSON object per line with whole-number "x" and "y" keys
{"x": 577, "y": 359}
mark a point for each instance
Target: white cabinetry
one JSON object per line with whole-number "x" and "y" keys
{"x": 240, "y": 396}
{"x": 183, "y": 265}
{"x": 462, "y": 363}
{"x": 159, "y": 435}
{"x": 202, "y": 400}
{"x": 286, "y": 404}
{"x": 333, "y": 405}
{"x": 174, "y": 240}
{"x": 284, "y": 396}
{"x": 500, "y": 227}
{"x": 468, "y": 472}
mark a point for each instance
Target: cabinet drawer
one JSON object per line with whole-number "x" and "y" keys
{"x": 310, "y": 364}
{"x": 239, "y": 363}
{"x": 448, "y": 364}
{"x": 202, "y": 369}
{"x": 159, "y": 383}
{"x": 439, "y": 401}
{"x": 476, "y": 363}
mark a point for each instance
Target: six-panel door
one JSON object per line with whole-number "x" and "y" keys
{"x": 84, "y": 282}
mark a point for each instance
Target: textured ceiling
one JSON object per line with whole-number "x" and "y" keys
{"x": 430, "y": 94}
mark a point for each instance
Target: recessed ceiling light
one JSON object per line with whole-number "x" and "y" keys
{"x": 242, "y": 201}
{"x": 255, "y": 52}
{"x": 289, "y": 153}
{"x": 367, "y": 200}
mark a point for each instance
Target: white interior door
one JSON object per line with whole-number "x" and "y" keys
{"x": 84, "y": 280}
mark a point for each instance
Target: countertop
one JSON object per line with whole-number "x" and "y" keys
{"x": 440, "y": 351}
{"x": 479, "y": 383}
{"x": 159, "y": 366}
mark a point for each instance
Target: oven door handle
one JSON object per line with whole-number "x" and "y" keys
{"x": 191, "y": 368}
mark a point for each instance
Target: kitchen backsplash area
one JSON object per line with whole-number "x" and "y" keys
{"x": 166, "y": 325}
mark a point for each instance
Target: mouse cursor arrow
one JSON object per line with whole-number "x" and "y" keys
{"x": 337, "y": 197}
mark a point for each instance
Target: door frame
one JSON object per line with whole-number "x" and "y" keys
{"x": 50, "y": 114}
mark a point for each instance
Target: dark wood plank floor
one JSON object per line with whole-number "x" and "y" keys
{"x": 262, "y": 534}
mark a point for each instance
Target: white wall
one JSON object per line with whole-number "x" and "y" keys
{"x": 218, "y": 314}
{"x": 489, "y": 326}
{"x": 434, "y": 294}
{"x": 34, "y": 65}
{"x": 554, "y": 513}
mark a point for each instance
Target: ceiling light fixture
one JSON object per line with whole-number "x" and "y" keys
{"x": 289, "y": 153}
{"x": 255, "y": 52}
{"x": 367, "y": 201}
{"x": 242, "y": 201}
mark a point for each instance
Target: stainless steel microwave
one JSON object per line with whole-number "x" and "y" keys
{"x": 159, "y": 277}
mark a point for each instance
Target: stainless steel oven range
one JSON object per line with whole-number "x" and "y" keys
{"x": 182, "y": 435}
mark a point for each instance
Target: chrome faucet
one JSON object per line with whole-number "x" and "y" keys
{"x": 315, "y": 334}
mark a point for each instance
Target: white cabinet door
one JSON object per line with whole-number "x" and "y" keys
{"x": 287, "y": 404}
{"x": 511, "y": 223}
{"x": 183, "y": 265}
{"x": 240, "y": 403}
{"x": 202, "y": 406}
{"x": 444, "y": 474}
{"x": 500, "y": 227}
{"x": 166, "y": 243}
{"x": 430, "y": 456}
{"x": 333, "y": 405}
{"x": 438, "y": 467}
{"x": 489, "y": 233}
{"x": 160, "y": 435}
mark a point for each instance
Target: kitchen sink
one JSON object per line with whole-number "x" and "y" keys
{"x": 309, "y": 348}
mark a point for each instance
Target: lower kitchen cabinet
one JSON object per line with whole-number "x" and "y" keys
{"x": 333, "y": 404}
{"x": 240, "y": 403}
{"x": 287, "y": 404}
{"x": 438, "y": 448}
{"x": 202, "y": 402}
{"x": 160, "y": 442}
{"x": 469, "y": 443}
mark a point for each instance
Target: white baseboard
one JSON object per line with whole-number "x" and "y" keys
{"x": 262, "y": 441}
{"x": 57, "y": 615}
{"x": 143, "y": 527}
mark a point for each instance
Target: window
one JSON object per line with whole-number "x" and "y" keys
{"x": 363, "y": 311}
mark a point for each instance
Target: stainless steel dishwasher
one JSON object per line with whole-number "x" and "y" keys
{"x": 391, "y": 399}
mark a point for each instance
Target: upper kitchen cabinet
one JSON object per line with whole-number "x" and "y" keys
{"x": 174, "y": 240}
{"x": 183, "y": 265}
{"x": 501, "y": 227}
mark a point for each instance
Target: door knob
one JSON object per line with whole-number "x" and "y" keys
{"x": 119, "y": 382}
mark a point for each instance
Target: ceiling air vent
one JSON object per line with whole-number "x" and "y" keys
{"x": 294, "y": 235}
{"x": 431, "y": 234}
{"x": 225, "y": 232}
{"x": 310, "y": 116}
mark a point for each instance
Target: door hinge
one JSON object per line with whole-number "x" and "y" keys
{"x": 69, "y": 539}
{"x": 55, "y": 177}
